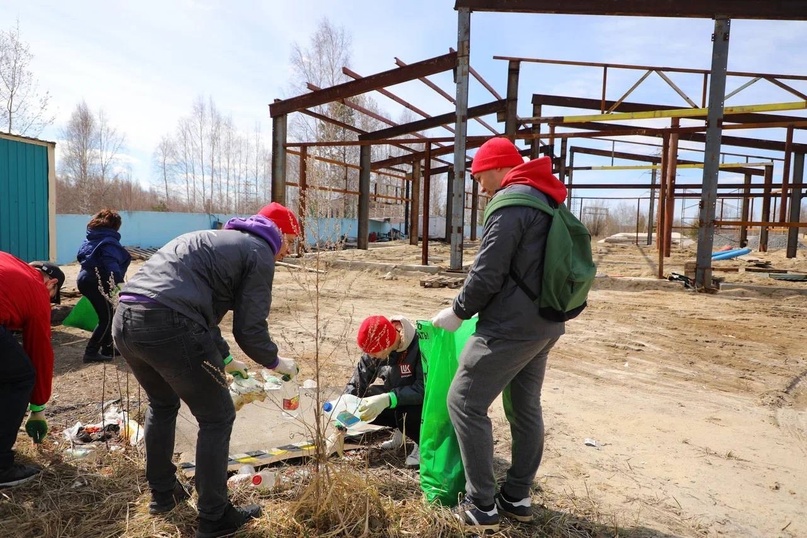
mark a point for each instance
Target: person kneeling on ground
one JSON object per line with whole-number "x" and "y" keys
{"x": 392, "y": 354}
{"x": 166, "y": 327}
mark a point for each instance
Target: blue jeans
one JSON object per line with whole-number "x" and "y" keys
{"x": 173, "y": 358}
{"x": 16, "y": 384}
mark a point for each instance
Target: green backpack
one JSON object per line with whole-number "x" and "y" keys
{"x": 569, "y": 268}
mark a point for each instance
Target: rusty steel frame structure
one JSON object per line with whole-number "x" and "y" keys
{"x": 424, "y": 151}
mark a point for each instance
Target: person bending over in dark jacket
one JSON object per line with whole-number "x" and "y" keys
{"x": 166, "y": 327}
{"x": 104, "y": 262}
{"x": 391, "y": 354}
{"x": 508, "y": 352}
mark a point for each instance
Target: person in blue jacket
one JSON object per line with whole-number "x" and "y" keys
{"x": 104, "y": 262}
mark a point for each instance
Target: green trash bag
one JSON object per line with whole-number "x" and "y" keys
{"x": 83, "y": 316}
{"x": 442, "y": 477}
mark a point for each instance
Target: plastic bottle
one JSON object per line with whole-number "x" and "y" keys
{"x": 343, "y": 410}
{"x": 264, "y": 479}
{"x": 290, "y": 398}
{"x": 243, "y": 476}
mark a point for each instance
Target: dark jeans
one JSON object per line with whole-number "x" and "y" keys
{"x": 90, "y": 287}
{"x": 174, "y": 358}
{"x": 16, "y": 383}
{"x": 404, "y": 417}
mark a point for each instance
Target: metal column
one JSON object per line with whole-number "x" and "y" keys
{"x": 461, "y": 74}
{"x": 711, "y": 157}
{"x": 364, "y": 198}
{"x": 511, "y": 119}
{"x": 795, "y": 204}
{"x": 279, "y": 130}
{"x": 415, "y": 205}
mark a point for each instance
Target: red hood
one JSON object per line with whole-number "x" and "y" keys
{"x": 537, "y": 173}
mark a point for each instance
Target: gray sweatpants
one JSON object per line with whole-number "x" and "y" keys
{"x": 489, "y": 367}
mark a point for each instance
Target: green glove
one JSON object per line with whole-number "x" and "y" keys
{"x": 235, "y": 368}
{"x": 37, "y": 426}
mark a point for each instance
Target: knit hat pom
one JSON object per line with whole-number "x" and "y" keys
{"x": 496, "y": 153}
{"x": 376, "y": 333}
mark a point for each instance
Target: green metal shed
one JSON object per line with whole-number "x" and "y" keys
{"x": 28, "y": 197}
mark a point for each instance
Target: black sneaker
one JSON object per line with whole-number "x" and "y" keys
{"x": 95, "y": 356}
{"x": 233, "y": 519}
{"x": 165, "y": 501}
{"x": 17, "y": 474}
{"x": 475, "y": 519}
{"x": 519, "y": 510}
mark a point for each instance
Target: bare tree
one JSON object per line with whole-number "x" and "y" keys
{"x": 165, "y": 157}
{"x": 24, "y": 109}
{"x": 77, "y": 154}
{"x": 109, "y": 142}
{"x": 90, "y": 156}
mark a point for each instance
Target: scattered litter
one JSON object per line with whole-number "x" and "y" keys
{"x": 309, "y": 384}
{"x": 115, "y": 424}
{"x": 590, "y": 442}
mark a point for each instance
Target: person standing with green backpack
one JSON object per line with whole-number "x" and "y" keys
{"x": 507, "y": 354}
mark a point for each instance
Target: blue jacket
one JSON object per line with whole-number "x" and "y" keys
{"x": 102, "y": 249}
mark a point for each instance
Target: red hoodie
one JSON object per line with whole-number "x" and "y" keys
{"x": 537, "y": 173}
{"x": 25, "y": 306}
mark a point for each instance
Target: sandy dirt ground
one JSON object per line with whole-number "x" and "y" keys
{"x": 668, "y": 412}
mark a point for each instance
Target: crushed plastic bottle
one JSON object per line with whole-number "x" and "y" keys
{"x": 343, "y": 410}
{"x": 244, "y": 391}
{"x": 243, "y": 476}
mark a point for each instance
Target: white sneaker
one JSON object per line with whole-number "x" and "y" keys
{"x": 413, "y": 459}
{"x": 396, "y": 441}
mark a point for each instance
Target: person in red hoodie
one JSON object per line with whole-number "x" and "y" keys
{"x": 508, "y": 352}
{"x": 26, "y": 372}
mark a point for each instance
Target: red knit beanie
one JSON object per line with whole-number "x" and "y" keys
{"x": 282, "y": 216}
{"x": 376, "y": 334}
{"x": 496, "y": 153}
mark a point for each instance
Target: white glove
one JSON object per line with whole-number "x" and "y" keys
{"x": 371, "y": 407}
{"x": 235, "y": 368}
{"x": 287, "y": 368}
{"x": 447, "y": 319}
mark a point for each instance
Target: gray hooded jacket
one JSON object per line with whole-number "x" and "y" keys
{"x": 204, "y": 274}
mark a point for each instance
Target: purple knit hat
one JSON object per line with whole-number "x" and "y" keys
{"x": 260, "y": 226}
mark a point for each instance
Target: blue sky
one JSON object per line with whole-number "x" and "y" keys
{"x": 145, "y": 62}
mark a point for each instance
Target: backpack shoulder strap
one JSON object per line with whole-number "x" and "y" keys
{"x": 515, "y": 198}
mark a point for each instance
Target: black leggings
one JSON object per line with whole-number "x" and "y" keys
{"x": 404, "y": 417}
{"x": 90, "y": 288}
{"x": 16, "y": 384}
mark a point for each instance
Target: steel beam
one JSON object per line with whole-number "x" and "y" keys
{"x": 434, "y": 121}
{"x": 358, "y": 87}
{"x": 789, "y": 10}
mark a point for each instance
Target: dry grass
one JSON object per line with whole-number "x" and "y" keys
{"x": 366, "y": 494}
